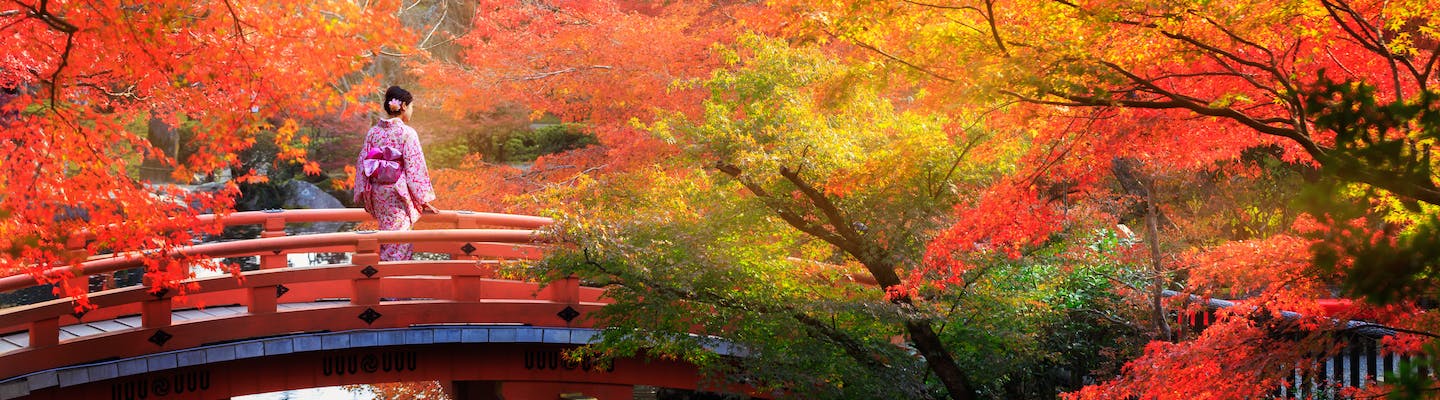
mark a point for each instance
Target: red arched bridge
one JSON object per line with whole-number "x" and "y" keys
{"x": 366, "y": 321}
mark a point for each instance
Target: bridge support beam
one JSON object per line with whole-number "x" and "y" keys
{"x": 565, "y": 290}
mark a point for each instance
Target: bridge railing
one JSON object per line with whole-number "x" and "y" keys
{"x": 363, "y": 282}
{"x": 272, "y": 223}
{"x": 1358, "y": 360}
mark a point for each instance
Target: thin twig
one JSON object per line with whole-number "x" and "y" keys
{"x": 892, "y": 57}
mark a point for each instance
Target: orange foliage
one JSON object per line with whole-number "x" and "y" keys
{"x": 1007, "y": 219}
{"x": 85, "y": 77}
{"x": 605, "y": 63}
{"x": 402, "y": 390}
{"x": 1243, "y": 269}
{"x": 1249, "y": 366}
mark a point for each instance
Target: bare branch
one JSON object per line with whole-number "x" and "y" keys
{"x": 1203, "y": 108}
{"x": 443, "y": 13}
{"x": 1237, "y": 38}
{"x": 1342, "y": 65}
{"x": 544, "y": 75}
{"x": 42, "y": 13}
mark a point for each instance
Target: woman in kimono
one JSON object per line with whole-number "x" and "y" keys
{"x": 392, "y": 182}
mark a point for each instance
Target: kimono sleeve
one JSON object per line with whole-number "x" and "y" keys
{"x": 417, "y": 175}
{"x": 361, "y": 184}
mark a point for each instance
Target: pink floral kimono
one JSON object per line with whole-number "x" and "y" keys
{"x": 395, "y": 205}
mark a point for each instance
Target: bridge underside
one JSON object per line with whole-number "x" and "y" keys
{"x": 480, "y": 362}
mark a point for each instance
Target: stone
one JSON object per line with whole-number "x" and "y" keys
{"x": 298, "y": 194}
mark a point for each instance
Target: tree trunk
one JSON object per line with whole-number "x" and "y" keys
{"x": 875, "y": 258}
{"x": 937, "y": 357}
{"x": 939, "y": 360}
{"x": 166, "y": 139}
{"x": 1157, "y": 284}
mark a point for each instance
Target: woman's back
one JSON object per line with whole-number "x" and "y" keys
{"x": 392, "y": 181}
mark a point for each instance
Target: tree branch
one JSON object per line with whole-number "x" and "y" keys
{"x": 938, "y": 358}
{"x": 42, "y": 12}
{"x": 790, "y": 217}
{"x": 944, "y": 7}
{"x": 994, "y": 32}
{"x": 1369, "y": 38}
{"x": 443, "y": 13}
{"x": 548, "y": 74}
{"x": 867, "y": 46}
{"x": 239, "y": 31}
{"x": 851, "y": 346}
{"x": 826, "y": 207}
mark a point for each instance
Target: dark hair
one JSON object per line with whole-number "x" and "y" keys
{"x": 396, "y": 93}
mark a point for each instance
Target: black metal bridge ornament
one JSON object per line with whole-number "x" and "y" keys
{"x": 568, "y": 314}
{"x": 369, "y": 316}
{"x": 160, "y": 337}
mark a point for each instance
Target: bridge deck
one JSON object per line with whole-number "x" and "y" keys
{"x": 19, "y": 340}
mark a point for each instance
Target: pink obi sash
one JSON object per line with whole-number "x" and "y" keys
{"x": 383, "y": 166}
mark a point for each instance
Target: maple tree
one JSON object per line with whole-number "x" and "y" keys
{"x": 85, "y": 78}
{"x": 1106, "y": 110}
{"x": 800, "y": 172}
{"x": 547, "y": 62}
{"x": 871, "y": 199}
{"x": 1187, "y": 86}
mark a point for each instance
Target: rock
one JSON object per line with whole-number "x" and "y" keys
{"x": 298, "y": 194}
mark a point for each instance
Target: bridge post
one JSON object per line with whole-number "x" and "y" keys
{"x": 274, "y": 227}
{"x": 565, "y": 290}
{"x": 467, "y": 288}
{"x": 75, "y": 254}
{"x": 365, "y": 289}
{"x": 155, "y": 313}
{"x": 262, "y": 300}
{"x": 464, "y": 221}
{"x": 45, "y": 333}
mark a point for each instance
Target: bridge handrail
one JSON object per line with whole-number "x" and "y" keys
{"x": 252, "y": 247}
{"x": 359, "y": 215}
{"x": 274, "y": 221}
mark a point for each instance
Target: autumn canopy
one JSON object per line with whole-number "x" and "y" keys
{"x": 879, "y": 199}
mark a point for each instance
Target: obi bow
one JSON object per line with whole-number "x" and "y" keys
{"x": 383, "y": 165}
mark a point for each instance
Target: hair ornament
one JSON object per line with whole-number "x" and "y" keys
{"x": 394, "y": 104}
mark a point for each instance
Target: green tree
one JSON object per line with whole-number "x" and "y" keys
{"x": 802, "y": 177}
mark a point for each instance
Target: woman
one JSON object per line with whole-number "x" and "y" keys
{"x": 392, "y": 182}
